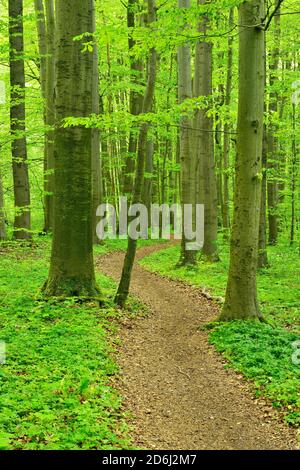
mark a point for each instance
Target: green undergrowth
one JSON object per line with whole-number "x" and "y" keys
{"x": 55, "y": 386}
{"x": 262, "y": 352}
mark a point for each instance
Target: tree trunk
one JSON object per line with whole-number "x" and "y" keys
{"x": 272, "y": 184}
{"x": 262, "y": 239}
{"x": 147, "y": 187}
{"x": 42, "y": 42}
{"x": 205, "y": 143}
{"x": 96, "y": 158}
{"x": 187, "y": 160}
{"x": 49, "y": 118}
{"x": 293, "y": 177}
{"x": 123, "y": 289}
{"x": 227, "y": 128}
{"x": 17, "y": 121}
{"x": 241, "y": 294}
{"x": 3, "y": 234}
{"x": 72, "y": 268}
{"x": 136, "y": 100}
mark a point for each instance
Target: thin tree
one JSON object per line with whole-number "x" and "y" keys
{"x": 3, "y": 233}
{"x": 135, "y": 98}
{"x": 273, "y": 150}
{"x": 227, "y": 128}
{"x": 123, "y": 289}
{"x": 241, "y": 294}
{"x": 49, "y": 117}
{"x": 42, "y": 42}
{"x": 72, "y": 268}
{"x": 187, "y": 160}
{"x": 17, "y": 121}
{"x": 97, "y": 186}
{"x": 207, "y": 184}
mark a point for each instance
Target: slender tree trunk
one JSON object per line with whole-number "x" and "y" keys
{"x": 262, "y": 239}
{"x": 147, "y": 187}
{"x": 136, "y": 99}
{"x": 17, "y": 121}
{"x": 42, "y": 42}
{"x": 241, "y": 294}
{"x": 123, "y": 289}
{"x": 72, "y": 268}
{"x": 96, "y": 157}
{"x": 227, "y": 128}
{"x": 49, "y": 118}
{"x": 272, "y": 184}
{"x": 187, "y": 160}
{"x": 205, "y": 143}
{"x": 3, "y": 234}
{"x": 293, "y": 177}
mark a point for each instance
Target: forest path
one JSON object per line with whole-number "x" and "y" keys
{"x": 173, "y": 381}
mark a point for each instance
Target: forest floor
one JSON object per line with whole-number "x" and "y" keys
{"x": 174, "y": 383}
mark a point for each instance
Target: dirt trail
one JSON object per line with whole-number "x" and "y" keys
{"x": 175, "y": 384}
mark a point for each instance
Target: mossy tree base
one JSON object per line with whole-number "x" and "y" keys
{"x": 63, "y": 287}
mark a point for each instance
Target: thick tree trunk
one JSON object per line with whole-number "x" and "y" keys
{"x": 136, "y": 100}
{"x": 17, "y": 121}
{"x": 49, "y": 118}
{"x": 123, "y": 289}
{"x": 241, "y": 294}
{"x": 72, "y": 268}
{"x": 205, "y": 143}
{"x": 187, "y": 157}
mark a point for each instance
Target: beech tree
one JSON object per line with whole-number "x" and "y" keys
{"x": 272, "y": 141}
{"x": 3, "y": 233}
{"x": 135, "y": 97}
{"x": 186, "y": 148}
{"x": 241, "y": 294}
{"x": 206, "y": 178}
{"x": 123, "y": 288}
{"x": 17, "y": 121}
{"x": 72, "y": 268}
{"x": 49, "y": 117}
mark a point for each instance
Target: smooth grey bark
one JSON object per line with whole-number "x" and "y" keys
{"x": 72, "y": 267}
{"x": 17, "y": 121}
{"x": 49, "y": 118}
{"x": 227, "y": 128}
{"x": 241, "y": 293}
{"x": 187, "y": 160}
{"x": 206, "y": 177}
{"x": 123, "y": 288}
{"x": 273, "y": 160}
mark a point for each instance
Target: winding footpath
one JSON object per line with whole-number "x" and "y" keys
{"x": 174, "y": 383}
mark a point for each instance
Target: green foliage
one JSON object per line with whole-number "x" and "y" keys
{"x": 263, "y": 354}
{"x": 55, "y": 385}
